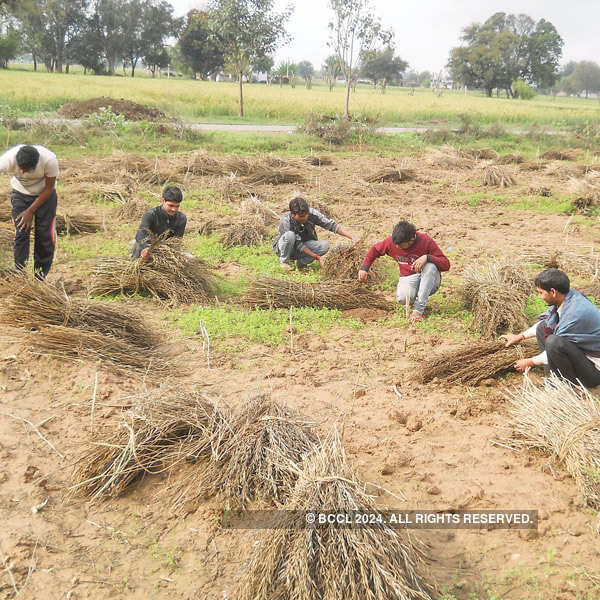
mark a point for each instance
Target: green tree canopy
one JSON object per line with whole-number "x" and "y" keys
{"x": 199, "y": 47}
{"x": 307, "y": 72}
{"x": 382, "y": 67}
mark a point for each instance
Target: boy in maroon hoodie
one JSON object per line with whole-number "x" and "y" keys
{"x": 420, "y": 262}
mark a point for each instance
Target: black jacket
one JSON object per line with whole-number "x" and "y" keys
{"x": 307, "y": 231}
{"x": 158, "y": 221}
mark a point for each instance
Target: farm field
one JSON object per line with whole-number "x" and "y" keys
{"x": 418, "y": 445}
{"x": 33, "y": 93}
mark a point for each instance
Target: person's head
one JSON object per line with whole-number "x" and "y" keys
{"x": 299, "y": 209}
{"x": 171, "y": 199}
{"x": 404, "y": 234}
{"x": 552, "y": 285}
{"x": 27, "y": 158}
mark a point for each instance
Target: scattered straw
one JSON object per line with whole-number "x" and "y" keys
{"x": 563, "y": 421}
{"x": 495, "y": 176}
{"x": 565, "y": 171}
{"x": 270, "y": 292}
{"x": 331, "y": 561}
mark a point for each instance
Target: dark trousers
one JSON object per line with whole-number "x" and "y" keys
{"x": 567, "y": 360}
{"x": 44, "y": 233}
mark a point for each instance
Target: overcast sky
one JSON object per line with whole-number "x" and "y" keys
{"x": 427, "y": 29}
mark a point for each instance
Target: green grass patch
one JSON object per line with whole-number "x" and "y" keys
{"x": 260, "y": 326}
{"x": 534, "y": 307}
{"x": 89, "y": 246}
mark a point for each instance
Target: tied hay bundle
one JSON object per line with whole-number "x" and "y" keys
{"x": 585, "y": 265}
{"x": 247, "y": 231}
{"x": 496, "y": 294}
{"x": 31, "y": 303}
{"x": 333, "y": 562}
{"x": 544, "y": 191}
{"x": 317, "y": 161}
{"x": 5, "y": 213}
{"x": 565, "y": 171}
{"x": 448, "y": 157}
{"x": 324, "y": 209}
{"x": 586, "y": 190}
{"x": 474, "y": 362}
{"x": 7, "y": 238}
{"x": 565, "y": 154}
{"x": 253, "y": 463}
{"x": 532, "y": 166}
{"x": 168, "y": 275}
{"x": 270, "y": 292}
{"x": 199, "y": 163}
{"x": 163, "y": 428}
{"x": 511, "y": 159}
{"x": 495, "y": 176}
{"x": 229, "y": 188}
{"x": 481, "y": 154}
{"x": 592, "y": 290}
{"x": 132, "y": 209}
{"x": 390, "y": 175}
{"x": 253, "y": 206}
{"x": 73, "y": 224}
{"x": 118, "y": 192}
{"x": 564, "y": 422}
{"x": 344, "y": 261}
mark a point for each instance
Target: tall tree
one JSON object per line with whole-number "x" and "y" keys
{"x": 264, "y": 65}
{"x": 9, "y": 40}
{"x": 158, "y": 25}
{"x": 307, "y": 72}
{"x": 111, "y": 30}
{"x": 382, "y": 67}
{"x": 585, "y": 77}
{"x": 246, "y": 30}
{"x": 87, "y": 48}
{"x": 199, "y": 47}
{"x": 353, "y": 30}
{"x": 331, "y": 70}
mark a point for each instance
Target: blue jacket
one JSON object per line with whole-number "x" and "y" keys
{"x": 579, "y": 322}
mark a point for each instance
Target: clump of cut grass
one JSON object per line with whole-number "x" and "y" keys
{"x": 344, "y": 261}
{"x": 390, "y": 175}
{"x": 562, "y": 421}
{"x": 270, "y": 292}
{"x": 586, "y": 190}
{"x": 330, "y": 561}
{"x": 253, "y": 206}
{"x": 497, "y": 177}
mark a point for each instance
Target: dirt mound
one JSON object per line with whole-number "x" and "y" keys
{"x": 130, "y": 110}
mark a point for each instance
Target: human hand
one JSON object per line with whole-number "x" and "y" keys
{"x": 24, "y": 220}
{"x": 321, "y": 260}
{"x": 511, "y": 339}
{"x": 522, "y": 364}
{"x": 363, "y": 276}
{"x": 145, "y": 254}
{"x": 419, "y": 263}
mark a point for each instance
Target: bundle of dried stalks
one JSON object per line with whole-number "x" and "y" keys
{"x": 532, "y": 166}
{"x": 230, "y": 188}
{"x": 563, "y": 421}
{"x": 591, "y": 290}
{"x": 481, "y": 153}
{"x": 333, "y": 562}
{"x": 246, "y": 231}
{"x": 167, "y": 275}
{"x": 344, "y": 261}
{"x": 199, "y": 163}
{"x": 586, "y": 190}
{"x": 324, "y": 209}
{"x": 5, "y": 212}
{"x": 562, "y": 154}
{"x": 495, "y": 176}
{"x": 511, "y": 159}
{"x": 496, "y": 294}
{"x": 135, "y": 168}
{"x": 131, "y": 210}
{"x": 253, "y": 206}
{"x": 163, "y": 428}
{"x": 73, "y": 224}
{"x": 317, "y": 160}
{"x": 390, "y": 175}
{"x": 270, "y": 292}
{"x": 253, "y": 461}
{"x": 449, "y": 158}
{"x": 474, "y": 362}
{"x": 7, "y": 237}
{"x": 118, "y": 192}
{"x": 565, "y": 171}
{"x": 586, "y": 265}
{"x": 262, "y": 173}
{"x": 272, "y": 160}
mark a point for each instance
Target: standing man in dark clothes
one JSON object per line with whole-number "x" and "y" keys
{"x": 568, "y": 333}
{"x": 420, "y": 261}
{"x": 297, "y": 239}
{"x": 34, "y": 170}
{"x": 156, "y": 221}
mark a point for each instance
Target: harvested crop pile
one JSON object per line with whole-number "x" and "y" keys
{"x": 510, "y": 159}
{"x": 474, "y": 362}
{"x": 532, "y": 166}
{"x": 317, "y": 160}
{"x": 5, "y": 212}
{"x": 130, "y": 110}
{"x": 564, "y": 154}
{"x": 332, "y": 562}
{"x": 564, "y": 422}
{"x": 270, "y": 292}
{"x": 448, "y": 157}
{"x": 586, "y": 191}
{"x": 198, "y": 163}
{"x": 324, "y": 209}
{"x": 131, "y": 210}
{"x": 390, "y": 175}
{"x": 495, "y": 176}
{"x": 591, "y": 290}
{"x": 584, "y": 264}
{"x": 496, "y": 293}
{"x": 246, "y": 231}
{"x": 167, "y": 275}
{"x": 73, "y": 224}
{"x": 271, "y": 169}
{"x": 344, "y": 261}
{"x": 164, "y": 427}
{"x": 7, "y": 237}
{"x": 73, "y": 327}
{"x": 565, "y": 171}
{"x": 252, "y": 206}
{"x": 481, "y": 153}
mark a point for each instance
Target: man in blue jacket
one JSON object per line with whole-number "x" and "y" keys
{"x": 568, "y": 333}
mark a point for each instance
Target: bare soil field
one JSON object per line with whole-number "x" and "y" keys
{"x": 432, "y": 444}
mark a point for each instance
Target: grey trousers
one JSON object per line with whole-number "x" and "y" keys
{"x": 286, "y": 249}
{"x": 419, "y": 286}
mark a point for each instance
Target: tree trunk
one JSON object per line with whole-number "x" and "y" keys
{"x": 34, "y": 61}
{"x": 347, "y": 104}
{"x": 489, "y": 92}
{"x": 241, "y": 105}
{"x": 133, "y": 66}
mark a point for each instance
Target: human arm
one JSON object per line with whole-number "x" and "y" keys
{"x": 511, "y": 339}
{"x": 377, "y": 250}
{"x": 24, "y": 219}
{"x": 435, "y": 256}
{"x": 142, "y": 234}
{"x": 179, "y": 229}
{"x": 347, "y": 234}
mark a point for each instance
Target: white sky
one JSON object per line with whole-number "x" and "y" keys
{"x": 426, "y": 30}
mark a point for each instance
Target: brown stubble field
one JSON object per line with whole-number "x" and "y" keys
{"x": 431, "y": 443}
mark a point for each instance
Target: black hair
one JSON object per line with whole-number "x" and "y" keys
{"x": 403, "y": 232}
{"x": 27, "y": 157}
{"x": 553, "y": 278}
{"x": 298, "y": 206}
{"x": 172, "y": 194}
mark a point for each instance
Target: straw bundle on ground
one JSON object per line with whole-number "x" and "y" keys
{"x": 565, "y": 171}
{"x": 324, "y": 209}
{"x": 543, "y": 191}
{"x": 131, "y": 210}
{"x": 495, "y": 176}
{"x": 270, "y": 292}
{"x": 591, "y": 290}
{"x": 510, "y": 159}
{"x": 164, "y": 427}
{"x": 7, "y": 238}
{"x": 532, "y": 166}
{"x": 317, "y": 160}
{"x": 564, "y": 422}
{"x": 496, "y": 294}
{"x": 344, "y": 261}
{"x": 586, "y": 190}
{"x": 263, "y": 173}
{"x": 333, "y": 562}
{"x": 390, "y": 175}
{"x": 73, "y": 224}
{"x": 229, "y": 188}
{"x": 167, "y": 275}
{"x": 137, "y": 169}
{"x": 246, "y": 231}
{"x": 199, "y": 163}
{"x": 253, "y": 206}
{"x": 481, "y": 153}
{"x": 449, "y": 158}
{"x": 5, "y": 212}
{"x": 564, "y": 154}
{"x": 474, "y": 362}
{"x": 115, "y": 191}
{"x": 579, "y": 263}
